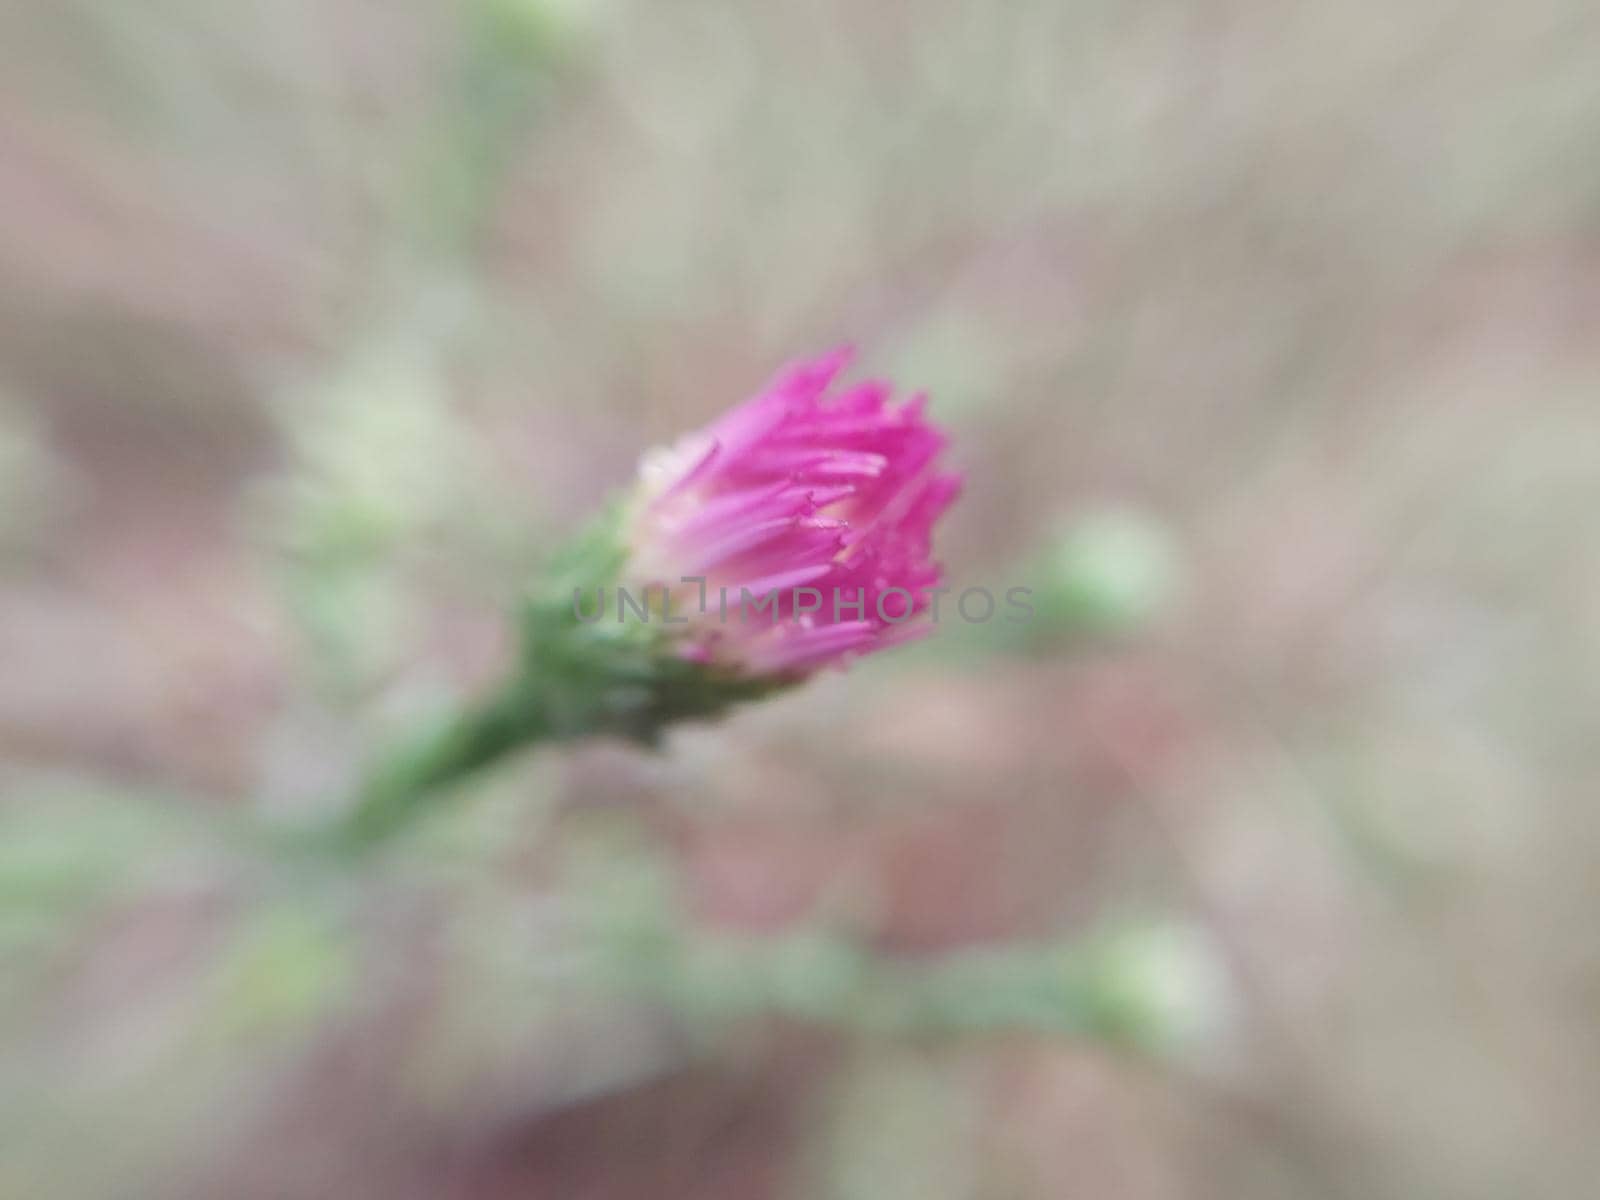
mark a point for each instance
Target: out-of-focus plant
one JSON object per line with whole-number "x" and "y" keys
{"x": 65, "y": 850}
{"x": 95, "y": 886}
{"x": 1105, "y": 573}
{"x": 31, "y": 486}
{"x": 379, "y": 461}
{"x": 1146, "y": 983}
{"x": 381, "y": 469}
{"x": 509, "y": 51}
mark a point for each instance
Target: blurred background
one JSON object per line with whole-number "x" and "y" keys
{"x": 1260, "y": 864}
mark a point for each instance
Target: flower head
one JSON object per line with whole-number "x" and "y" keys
{"x": 810, "y": 509}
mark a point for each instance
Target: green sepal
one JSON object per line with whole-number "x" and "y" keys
{"x": 606, "y": 675}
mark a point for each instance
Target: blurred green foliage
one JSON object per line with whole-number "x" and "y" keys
{"x": 1105, "y": 573}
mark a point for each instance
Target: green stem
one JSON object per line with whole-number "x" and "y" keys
{"x": 572, "y": 681}
{"x": 396, "y": 790}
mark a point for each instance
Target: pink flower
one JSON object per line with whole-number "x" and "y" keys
{"x": 826, "y": 500}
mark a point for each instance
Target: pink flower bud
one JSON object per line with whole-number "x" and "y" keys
{"x": 825, "y": 498}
